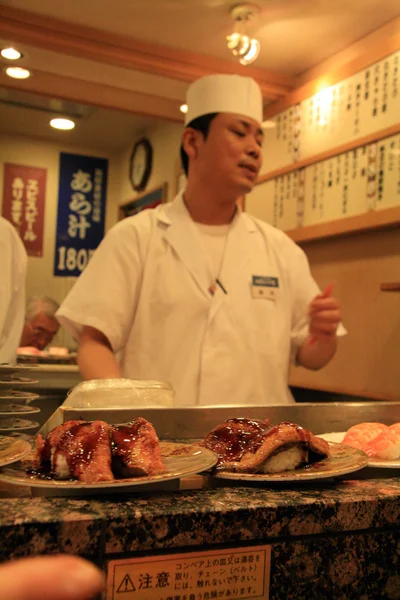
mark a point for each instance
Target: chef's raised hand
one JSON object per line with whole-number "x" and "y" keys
{"x": 324, "y": 317}
{"x": 61, "y": 577}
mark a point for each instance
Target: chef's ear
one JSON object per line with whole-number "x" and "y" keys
{"x": 191, "y": 140}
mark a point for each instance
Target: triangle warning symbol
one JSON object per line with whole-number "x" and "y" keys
{"x": 126, "y": 585}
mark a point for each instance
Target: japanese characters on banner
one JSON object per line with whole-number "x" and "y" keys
{"x": 81, "y": 212}
{"x": 24, "y": 194}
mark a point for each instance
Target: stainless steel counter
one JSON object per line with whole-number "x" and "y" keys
{"x": 54, "y": 377}
{"x": 189, "y": 423}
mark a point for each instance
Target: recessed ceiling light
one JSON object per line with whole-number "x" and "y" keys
{"x": 11, "y": 53}
{"x": 18, "y": 72}
{"x": 268, "y": 124}
{"x": 183, "y": 108}
{"x": 62, "y": 124}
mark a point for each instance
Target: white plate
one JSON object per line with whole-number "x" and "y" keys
{"x": 14, "y": 382}
{"x": 20, "y": 409}
{"x": 180, "y": 460}
{"x": 343, "y": 460}
{"x": 6, "y": 369}
{"x": 18, "y": 397}
{"x": 17, "y": 435}
{"x": 13, "y": 424}
{"x": 337, "y": 436}
{"x": 12, "y": 449}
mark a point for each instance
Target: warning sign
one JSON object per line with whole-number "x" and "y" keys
{"x": 234, "y": 574}
{"x": 126, "y": 585}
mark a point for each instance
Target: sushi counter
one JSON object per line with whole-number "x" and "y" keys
{"x": 202, "y": 537}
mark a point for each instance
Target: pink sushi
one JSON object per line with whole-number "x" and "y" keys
{"x": 363, "y": 433}
{"x": 386, "y": 445}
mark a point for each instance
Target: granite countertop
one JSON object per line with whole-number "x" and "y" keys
{"x": 106, "y": 525}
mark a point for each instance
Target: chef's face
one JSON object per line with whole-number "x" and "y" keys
{"x": 39, "y": 332}
{"x": 231, "y": 155}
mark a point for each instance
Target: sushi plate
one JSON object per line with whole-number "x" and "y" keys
{"x": 7, "y": 370}
{"x": 343, "y": 460}
{"x": 15, "y": 424}
{"x": 337, "y": 436}
{"x": 12, "y": 449}
{"x": 180, "y": 460}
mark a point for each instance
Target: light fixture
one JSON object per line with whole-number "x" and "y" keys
{"x": 64, "y": 124}
{"x": 11, "y": 53}
{"x": 183, "y": 108}
{"x": 242, "y": 45}
{"x": 323, "y": 100}
{"x": 268, "y": 124}
{"x": 18, "y": 72}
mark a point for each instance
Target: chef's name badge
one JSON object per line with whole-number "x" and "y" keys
{"x": 264, "y": 287}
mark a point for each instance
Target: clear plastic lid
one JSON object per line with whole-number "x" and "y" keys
{"x": 120, "y": 393}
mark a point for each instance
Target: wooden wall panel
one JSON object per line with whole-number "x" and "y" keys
{"x": 368, "y": 358}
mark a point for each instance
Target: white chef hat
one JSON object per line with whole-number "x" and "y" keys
{"x": 226, "y": 94}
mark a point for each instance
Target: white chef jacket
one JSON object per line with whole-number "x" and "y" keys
{"x": 146, "y": 289}
{"x": 13, "y": 264}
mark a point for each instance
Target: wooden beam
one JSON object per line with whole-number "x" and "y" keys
{"x": 95, "y": 94}
{"x": 106, "y": 47}
{"x": 372, "y": 220}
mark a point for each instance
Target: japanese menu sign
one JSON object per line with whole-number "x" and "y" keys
{"x": 239, "y": 573}
{"x": 24, "y": 194}
{"x": 81, "y": 212}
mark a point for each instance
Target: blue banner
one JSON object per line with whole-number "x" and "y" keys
{"x": 81, "y": 212}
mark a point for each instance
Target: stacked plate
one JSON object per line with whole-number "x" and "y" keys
{"x": 15, "y": 400}
{"x": 13, "y": 448}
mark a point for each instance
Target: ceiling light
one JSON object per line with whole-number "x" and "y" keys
{"x": 183, "y": 108}
{"x": 241, "y": 44}
{"x": 10, "y": 53}
{"x": 64, "y": 124}
{"x": 18, "y": 72}
{"x": 268, "y": 124}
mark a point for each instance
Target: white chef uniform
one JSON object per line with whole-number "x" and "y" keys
{"x": 147, "y": 289}
{"x": 13, "y": 264}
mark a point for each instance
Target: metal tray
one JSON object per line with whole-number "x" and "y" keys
{"x": 194, "y": 422}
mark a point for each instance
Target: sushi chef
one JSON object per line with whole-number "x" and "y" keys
{"x": 196, "y": 292}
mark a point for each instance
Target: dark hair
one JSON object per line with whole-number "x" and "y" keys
{"x": 201, "y": 124}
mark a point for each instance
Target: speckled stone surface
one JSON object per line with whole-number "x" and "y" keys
{"x": 329, "y": 540}
{"x": 360, "y": 566}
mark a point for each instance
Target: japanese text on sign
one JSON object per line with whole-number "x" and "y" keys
{"x": 23, "y": 203}
{"x": 81, "y": 209}
{"x": 228, "y": 574}
{"x": 31, "y": 189}
{"x": 79, "y": 206}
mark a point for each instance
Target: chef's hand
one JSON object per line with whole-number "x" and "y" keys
{"x": 61, "y": 577}
{"x": 324, "y": 317}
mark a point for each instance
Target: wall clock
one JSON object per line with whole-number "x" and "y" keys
{"x": 140, "y": 164}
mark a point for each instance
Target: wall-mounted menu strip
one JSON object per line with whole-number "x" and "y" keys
{"x": 342, "y": 149}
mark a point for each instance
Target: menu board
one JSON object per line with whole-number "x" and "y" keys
{"x": 357, "y": 106}
{"x": 365, "y": 178}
